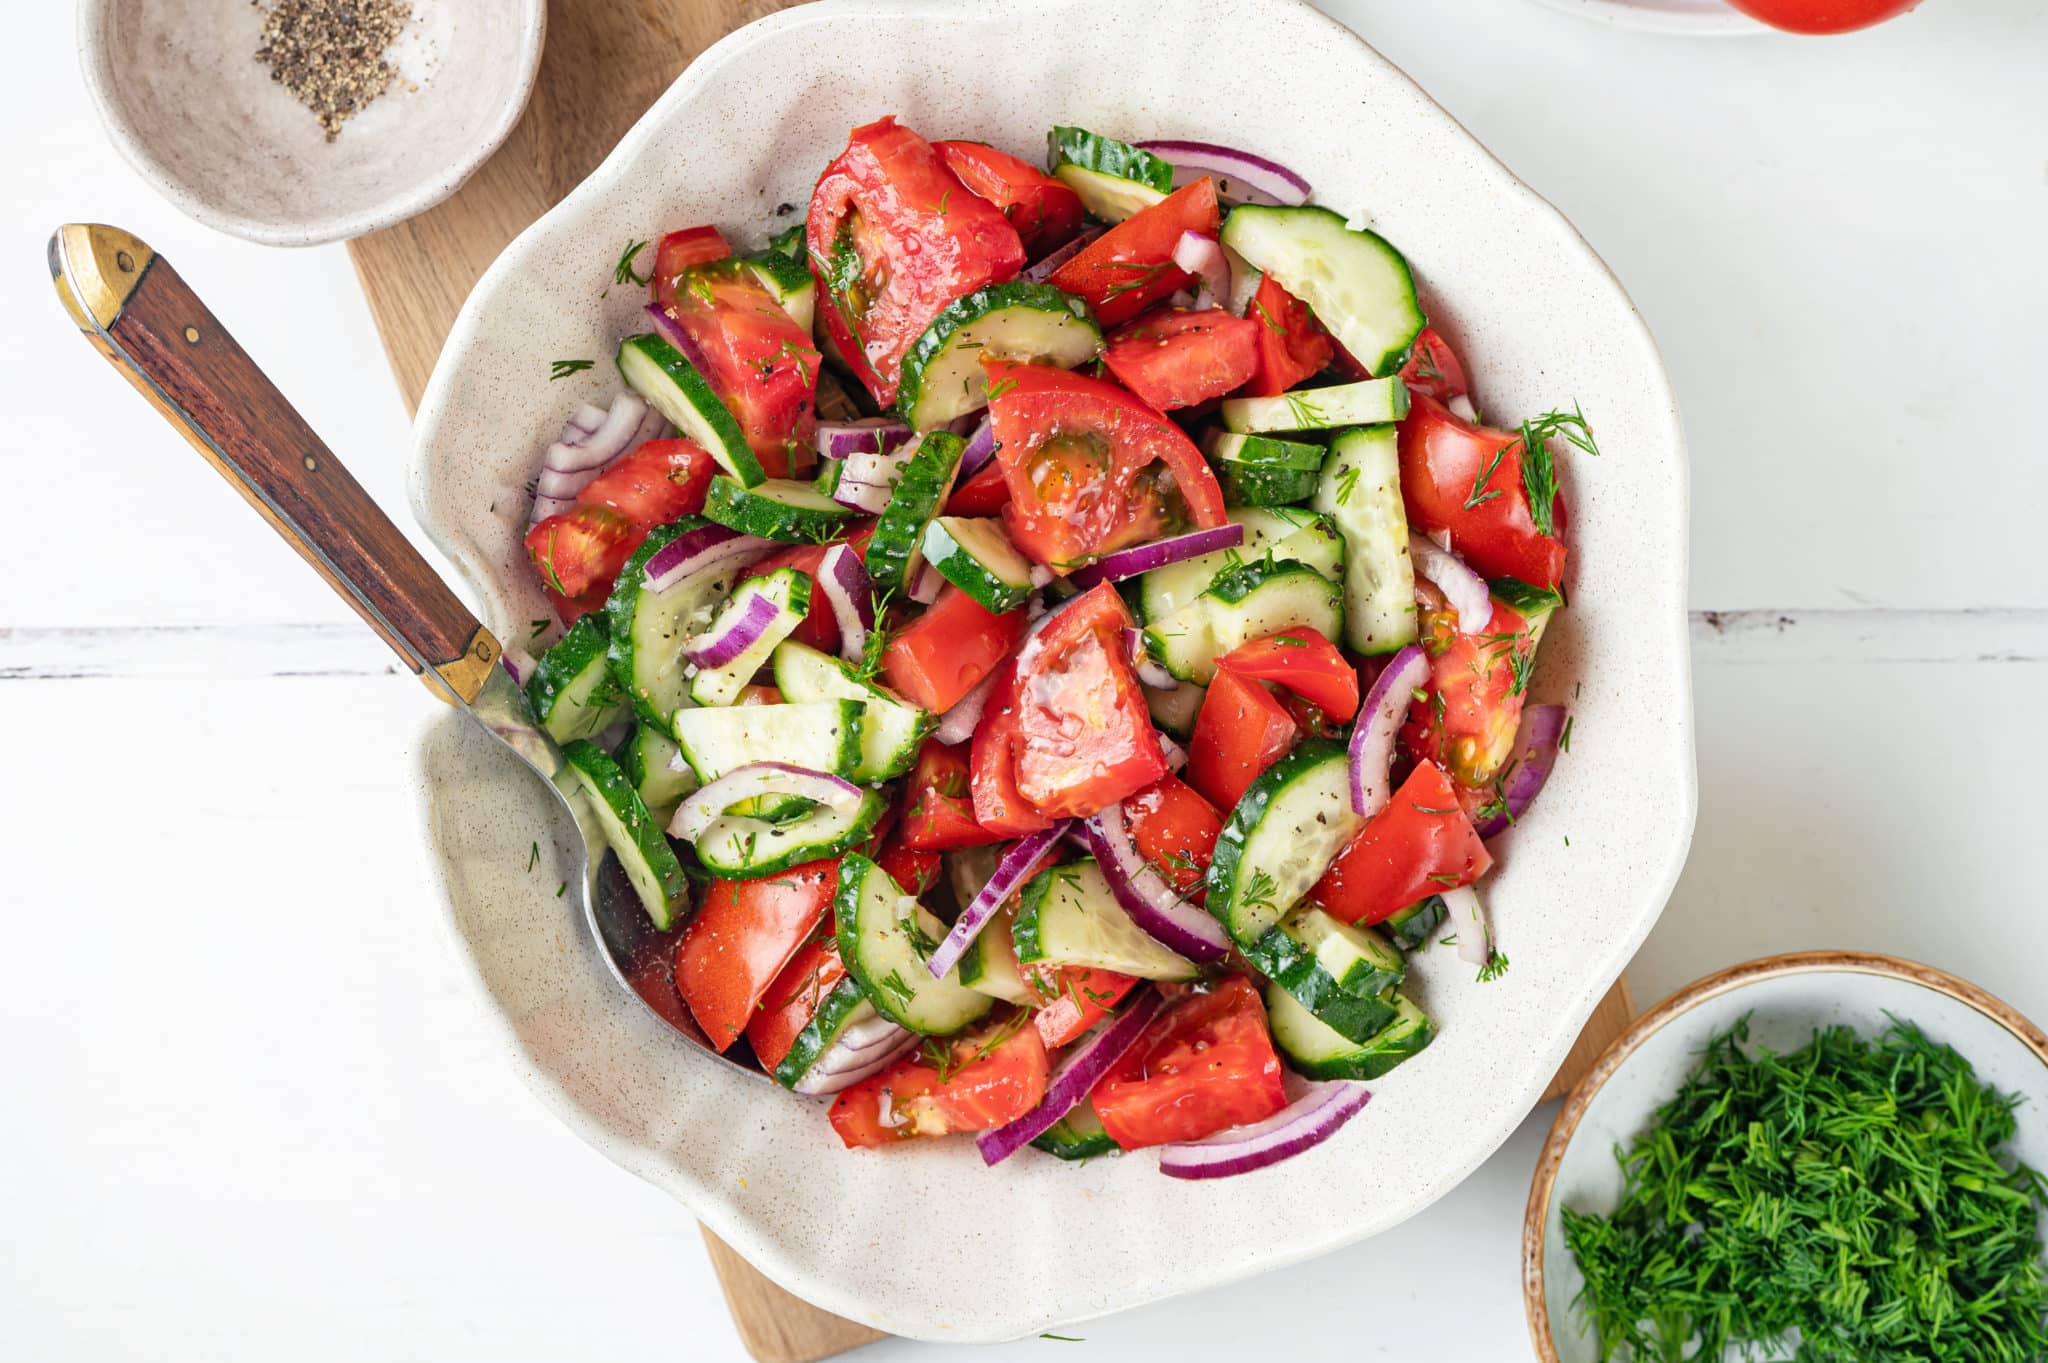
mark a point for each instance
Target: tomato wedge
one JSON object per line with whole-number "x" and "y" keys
{"x": 1421, "y": 844}
{"x": 1205, "y": 1064}
{"x": 1240, "y": 731}
{"x": 1077, "y": 997}
{"x": 1304, "y": 662}
{"x": 998, "y": 805}
{"x": 1084, "y": 738}
{"x": 985, "y": 492}
{"x": 1470, "y": 481}
{"x": 915, "y": 869}
{"x": 1292, "y": 345}
{"x": 677, "y": 252}
{"x": 943, "y": 654}
{"x": 1130, "y": 267}
{"x": 1180, "y": 357}
{"x": 743, "y": 933}
{"x": 1472, "y": 706}
{"x": 1175, "y": 829}
{"x": 760, "y": 362}
{"x": 1433, "y": 369}
{"x": 1090, "y": 467}
{"x": 792, "y": 1000}
{"x": 1045, "y": 212}
{"x": 654, "y": 484}
{"x": 894, "y": 237}
{"x": 990, "y": 1077}
{"x": 938, "y": 803}
{"x": 581, "y": 550}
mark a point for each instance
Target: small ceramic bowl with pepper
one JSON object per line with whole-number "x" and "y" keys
{"x": 1859, "y": 1114}
{"x": 294, "y": 122}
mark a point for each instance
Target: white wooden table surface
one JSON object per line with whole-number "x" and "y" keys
{"x": 250, "y": 1114}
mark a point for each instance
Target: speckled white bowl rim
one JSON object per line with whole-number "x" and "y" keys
{"x": 923, "y": 1241}
{"x": 1675, "y": 18}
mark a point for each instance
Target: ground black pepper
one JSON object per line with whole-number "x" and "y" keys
{"x": 330, "y": 53}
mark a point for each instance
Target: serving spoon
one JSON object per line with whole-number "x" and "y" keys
{"x": 139, "y": 313}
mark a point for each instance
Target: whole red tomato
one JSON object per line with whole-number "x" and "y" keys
{"x": 1823, "y": 16}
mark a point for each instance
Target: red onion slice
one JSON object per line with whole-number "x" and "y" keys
{"x": 735, "y": 633}
{"x": 1463, "y": 588}
{"x": 872, "y": 498}
{"x": 851, "y": 593}
{"x": 1240, "y": 175}
{"x": 1075, "y": 1078}
{"x": 926, "y": 582}
{"x": 981, "y": 447}
{"x": 1379, "y": 719}
{"x": 1174, "y": 754}
{"x": 1042, "y": 269}
{"x": 582, "y": 422}
{"x": 1165, "y": 914}
{"x": 591, "y": 439}
{"x": 1012, "y": 871}
{"x": 709, "y": 804}
{"x": 518, "y": 664}
{"x": 1202, "y": 256}
{"x": 958, "y": 724}
{"x": 1535, "y": 753}
{"x": 883, "y": 470}
{"x": 1301, "y": 1125}
{"x": 1147, "y": 668}
{"x": 870, "y": 435}
{"x": 837, "y": 1070}
{"x": 698, "y": 548}
{"x": 1467, "y": 918}
{"x": 1144, "y": 558}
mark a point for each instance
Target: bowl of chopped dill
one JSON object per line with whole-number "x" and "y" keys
{"x": 1817, "y": 1156}
{"x": 295, "y": 122}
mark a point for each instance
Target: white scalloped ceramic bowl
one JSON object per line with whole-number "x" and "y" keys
{"x": 892, "y": 1238}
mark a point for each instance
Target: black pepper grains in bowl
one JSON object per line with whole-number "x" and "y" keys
{"x": 331, "y": 54}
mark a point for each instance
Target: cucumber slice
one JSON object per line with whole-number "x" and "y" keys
{"x": 844, "y": 1005}
{"x": 1068, "y": 915}
{"x": 1078, "y": 1135}
{"x": 927, "y": 479}
{"x": 1284, "y": 833}
{"x": 635, "y": 838}
{"x": 658, "y": 372}
{"x": 1247, "y": 602}
{"x": 1409, "y": 928}
{"x": 1322, "y": 1052}
{"x": 1175, "y": 710}
{"x": 1344, "y": 975}
{"x": 1113, "y": 179}
{"x": 1360, "y": 491}
{"x": 974, "y": 553}
{"x": 885, "y": 937}
{"x": 1369, "y": 402}
{"x": 1258, "y": 470}
{"x": 1035, "y": 323}
{"x": 789, "y": 280}
{"x": 1358, "y": 286}
{"x": 1269, "y": 532}
{"x": 645, "y": 757}
{"x": 990, "y": 965}
{"x": 648, "y": 627}
{"x": 788, "y": 590}
{"x": 823, "y": 736}
{"x": 778, "y": 509}
{"x": 790, "y": 242}
{"x": 891, "y": 728}
{"x": 746, "y": 848}
{"x": 572, "y": 690}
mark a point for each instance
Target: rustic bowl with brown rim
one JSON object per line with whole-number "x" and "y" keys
{"x": 1785, "y": 998}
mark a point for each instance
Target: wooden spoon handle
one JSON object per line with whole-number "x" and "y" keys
{"x": 141, "y": 315}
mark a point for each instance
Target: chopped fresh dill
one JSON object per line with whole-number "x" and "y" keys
{"x": 623, "y": 272}
{"x": 562, "y": 369}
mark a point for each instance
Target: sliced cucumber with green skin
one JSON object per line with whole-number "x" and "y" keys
{"x": 1269, "y": 532}
{"x": 646, "y": 758}
{"x": 885, "y": 938}
{"x": 1281, "y": 838}
{"x": 1113, "y": 179}
{"x": 790, "y": 242}
{"x": 974, "y": 553}
{"x": 633, "y": 835}
{"x": 1369, "y": 402}
{"x": 1245, "y": 603}
{"x": 1322, "y": 1052}
{"x": 1067, "y": 915}
{"x": 572, "y": 690}
{"x": 658, "y": 372}
{"x": 648, "y": 627}
{"x": 844, "y": 1005}
{"x": 747, "y": 849}
{"x": 1032, "y": 323}
{"x": 1175, "y": 710}
{"x": 788, "y": 590}
{"x": 1360, "y": 491}
{"x": 1344, "y": 975}
{"x": 891, "y": 728}
{"x": 779, "y": 509}
{"x": 789, "y": 280}
{"x": 822, "y": 736}
{"x": 1409, "y": 928}
{"x": 1257, "y": 470}
{"x": 1078, "y": 1135}
{"x": 1358, "y": 286}
{"x": 921, "y": 489}
{"x": 990, "y": 965}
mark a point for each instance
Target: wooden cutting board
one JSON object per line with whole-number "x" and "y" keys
{"x": 606, "y": 62}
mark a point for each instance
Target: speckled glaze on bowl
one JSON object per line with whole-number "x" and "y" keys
{"x": 890, "y": 1238}
{"x": 188, "y": 105}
